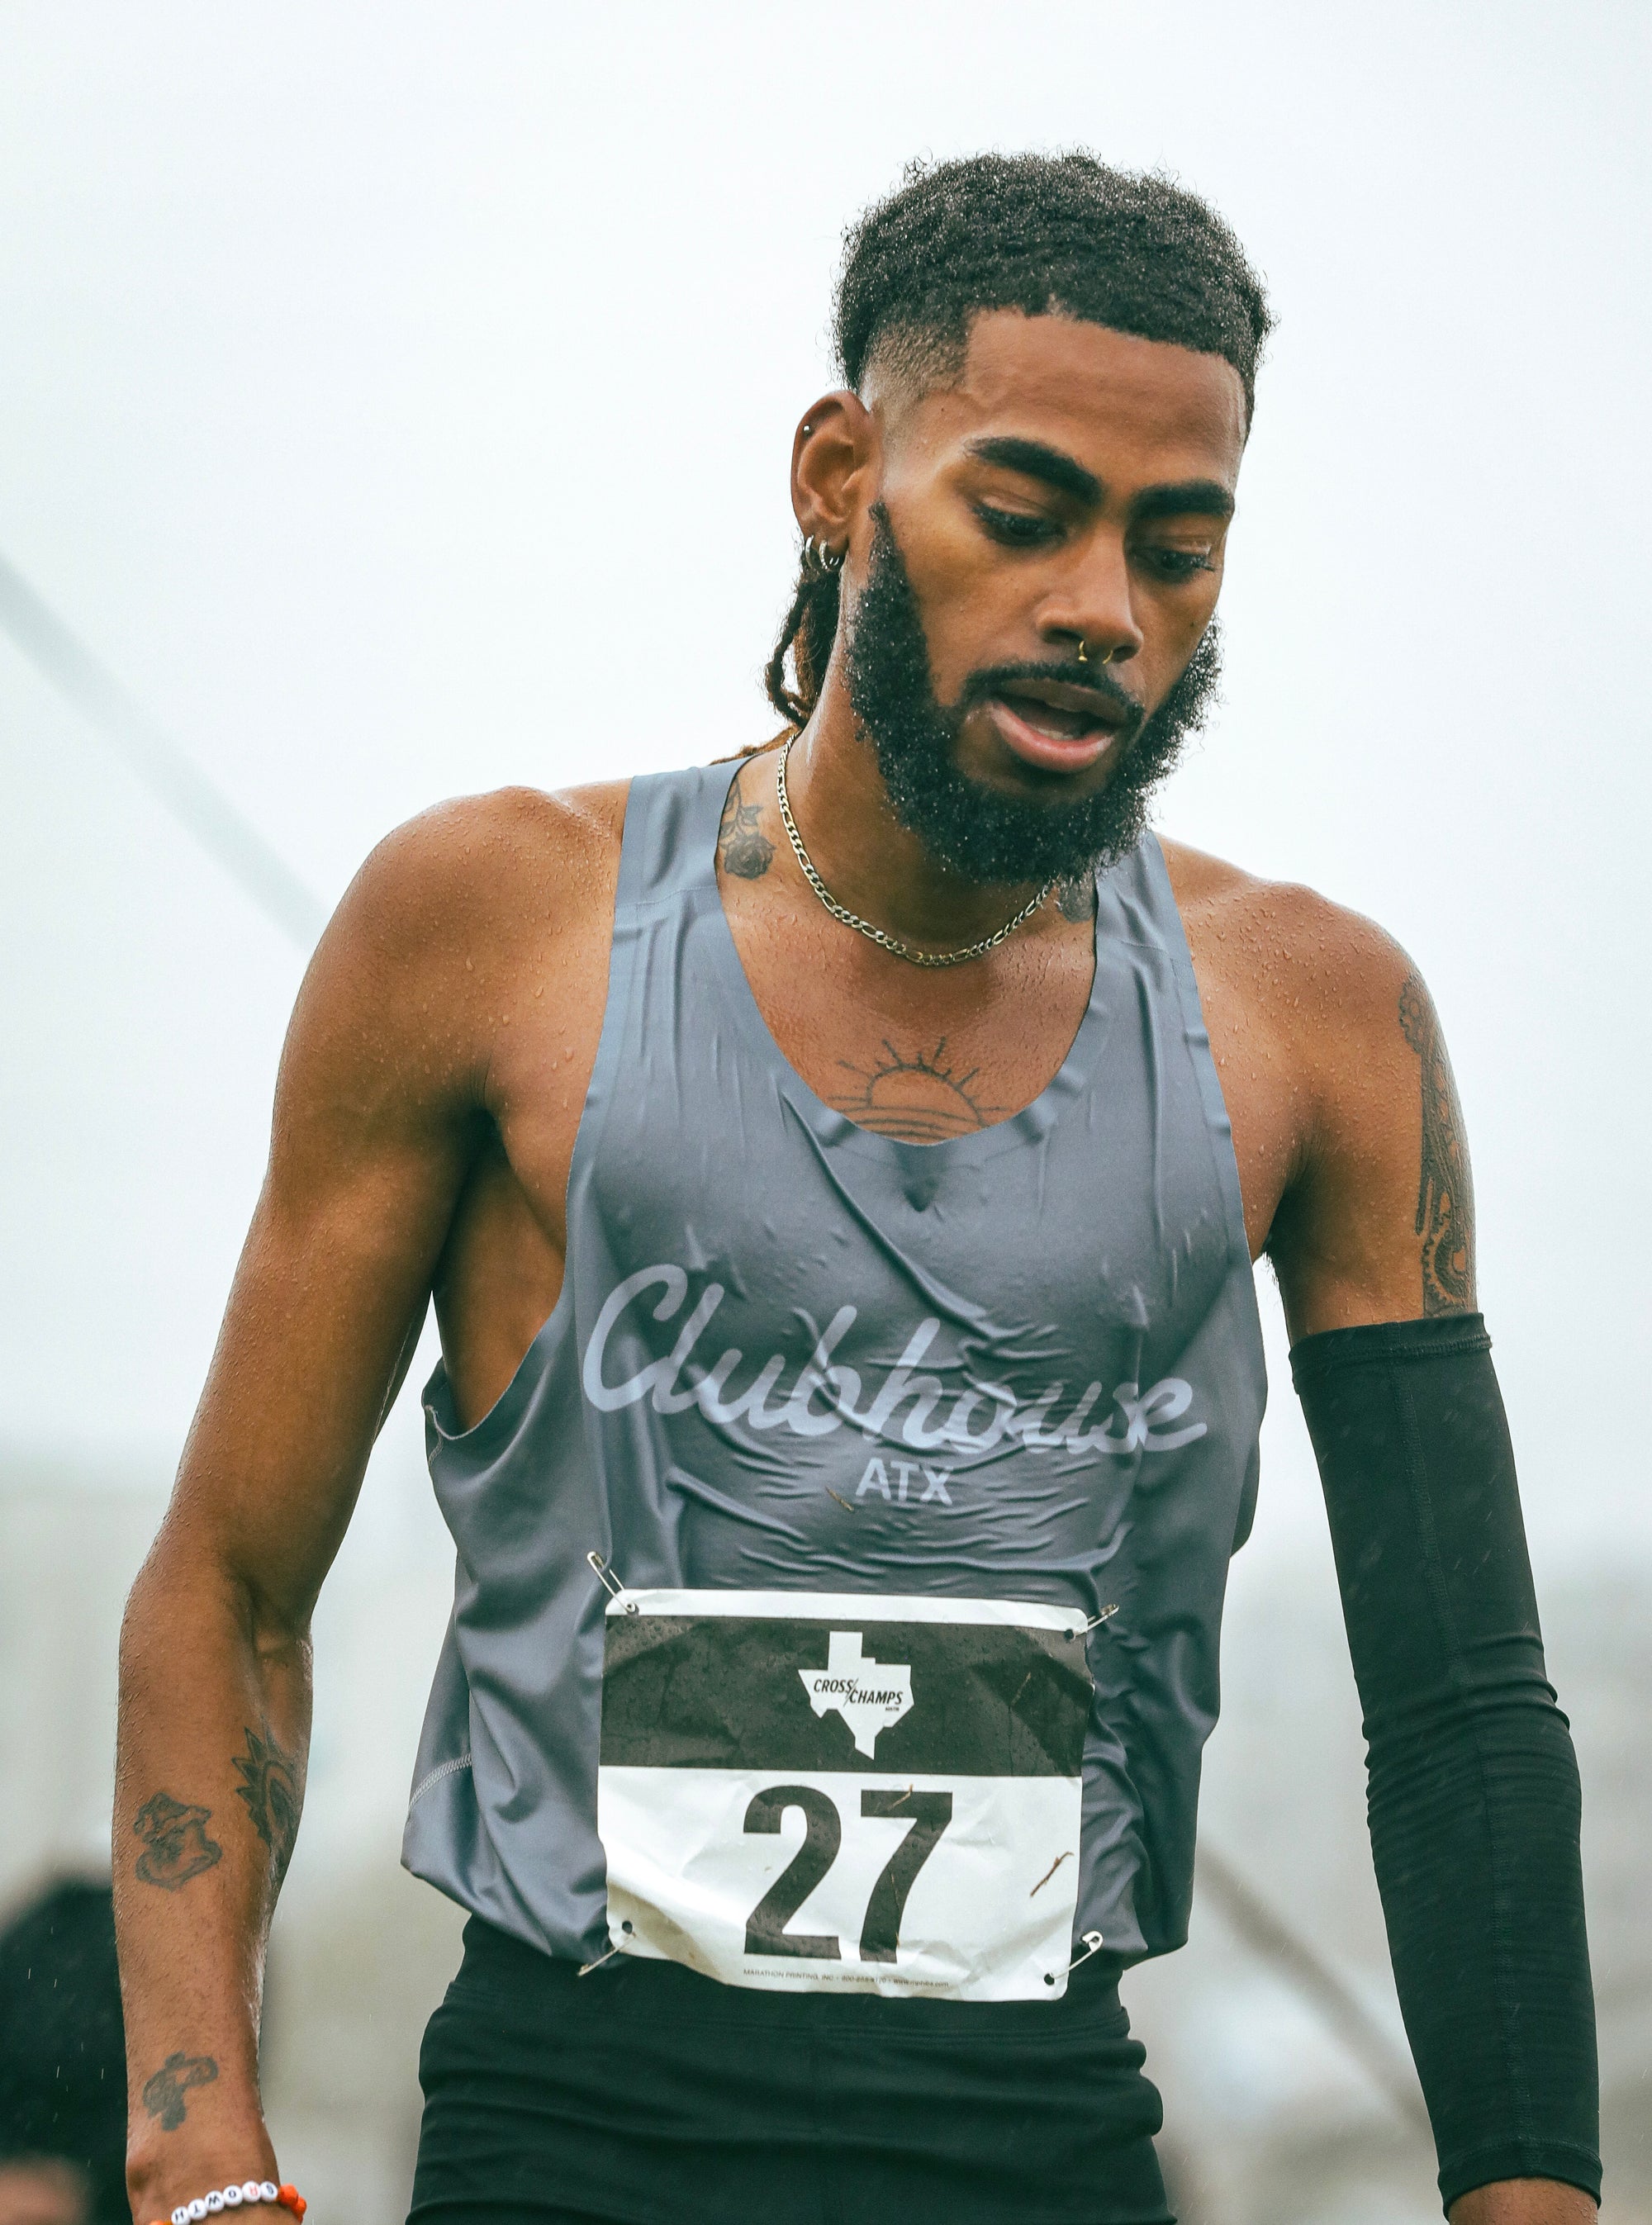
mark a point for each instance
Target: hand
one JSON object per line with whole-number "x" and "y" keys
{"x": 1523, "y": 2202}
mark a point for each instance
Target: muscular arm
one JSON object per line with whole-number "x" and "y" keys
{"x": 1378, "y": 1225}
{"x": 1377, "y": 1221}
{"x": 381, "y": 1096}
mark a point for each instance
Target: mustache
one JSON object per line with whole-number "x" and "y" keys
{"x": 1095, "y": 680}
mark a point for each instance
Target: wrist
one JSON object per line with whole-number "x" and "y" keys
{"x": 1524, "y": 2201}
{"x": 239, "y": 2194}
{"x": 163, "y": 2171}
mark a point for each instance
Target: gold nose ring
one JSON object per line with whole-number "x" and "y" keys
{"x": 1083, "y": 656}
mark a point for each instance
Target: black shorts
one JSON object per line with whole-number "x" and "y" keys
{"x": 646, "y": 2095}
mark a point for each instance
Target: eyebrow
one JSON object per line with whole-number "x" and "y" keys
{"x": 1033, "y": 460}
{"x": 1189, "y": 499}
{"x": 1055, "y": 468}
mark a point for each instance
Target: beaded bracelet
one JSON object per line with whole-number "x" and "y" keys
{"x": 251, "y": 2190}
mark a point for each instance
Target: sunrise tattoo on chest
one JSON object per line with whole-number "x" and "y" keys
{"x": 1445, "y": 1194}
{"x": 915, "y": 1096}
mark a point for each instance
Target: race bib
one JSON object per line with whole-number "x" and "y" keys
{"x": 808, "y": 1791}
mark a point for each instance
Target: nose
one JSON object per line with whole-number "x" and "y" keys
{"x": 1092, "y": 609}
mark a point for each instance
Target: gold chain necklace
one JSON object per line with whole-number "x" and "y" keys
{"x": 885, "y": 941}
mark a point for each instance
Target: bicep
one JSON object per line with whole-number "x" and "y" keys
{"x": 1379, "y": 1224}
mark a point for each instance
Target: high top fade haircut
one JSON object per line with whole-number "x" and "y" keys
{"x": 1060, "y": 235}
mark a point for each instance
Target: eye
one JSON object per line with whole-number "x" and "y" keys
{"x": 1178, "y": 563}
{"x": 1017, "y": 529}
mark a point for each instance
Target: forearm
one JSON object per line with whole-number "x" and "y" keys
{"x": 1474, "y": 1815}
{"x": 214, "y": 1725}
{"x": 1474, "y": 1798}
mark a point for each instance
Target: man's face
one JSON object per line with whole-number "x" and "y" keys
{"x": 1073, "y": 488}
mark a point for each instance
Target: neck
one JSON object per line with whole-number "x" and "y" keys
{"x": 869, "y": 861}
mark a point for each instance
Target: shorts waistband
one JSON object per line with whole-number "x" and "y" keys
{"x": 631, "y": 1987}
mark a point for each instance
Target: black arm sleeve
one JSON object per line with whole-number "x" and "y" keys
{"x": 1473, "y": 1786}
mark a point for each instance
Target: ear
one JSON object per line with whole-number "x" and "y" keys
{"x": 835, "y": 460}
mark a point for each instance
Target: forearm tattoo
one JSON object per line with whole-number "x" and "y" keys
{"x": 269, "y": 1788}
{"x": 163, "y": 2093}
{"x": 176, "y": 1844}
{"x": 746, "y": 851}
{"x": 1444, "y": 1192}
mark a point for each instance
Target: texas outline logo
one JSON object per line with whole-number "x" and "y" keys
{"x": 870, "y": 1696}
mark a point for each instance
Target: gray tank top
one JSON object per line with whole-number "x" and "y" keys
{"x": 793, "y": 1355}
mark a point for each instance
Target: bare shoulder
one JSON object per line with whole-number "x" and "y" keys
{"x": 1345, "y": 1116}
{"x": 480, "y": 863}
{"x": 456, "y": 924}
{"x": 1309, "y": 972}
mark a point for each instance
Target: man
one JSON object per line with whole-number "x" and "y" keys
{"x": 839, "y": 1175}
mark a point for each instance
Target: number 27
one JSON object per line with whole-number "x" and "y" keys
{"x": 928, "y": 1814}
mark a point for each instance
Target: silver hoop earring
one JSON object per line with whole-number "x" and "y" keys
{"x": 831, "y": 560}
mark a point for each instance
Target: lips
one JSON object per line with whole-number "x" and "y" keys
{"x": 1055, "y": 727}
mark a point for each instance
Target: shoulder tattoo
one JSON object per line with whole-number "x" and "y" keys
{"x": 746, "y": 851}
{"x": 1444, "y": 1192}
{"x": 270, "y": 1787}
{"x": 176, "y": 1844}
{"x": 163, "y": 2093}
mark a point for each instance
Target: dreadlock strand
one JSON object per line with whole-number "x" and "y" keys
{"x": 810, "y": 630}
{"x": 774, "y": 672}
{"x": 814, "y": 646}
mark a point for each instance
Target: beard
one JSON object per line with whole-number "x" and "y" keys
{"x": 980, "y": 833}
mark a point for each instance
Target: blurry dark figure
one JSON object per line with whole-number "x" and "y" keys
{"x": 62, "y": 2063}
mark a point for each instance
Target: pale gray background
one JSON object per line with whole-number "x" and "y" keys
{"x": 398, "y": 399}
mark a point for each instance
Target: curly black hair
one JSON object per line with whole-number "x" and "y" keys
{"x": 1046, "y": 234}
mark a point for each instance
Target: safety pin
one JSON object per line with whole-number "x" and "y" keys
{"x": 1106, "y": 1615}
{"x": 616, "y": 1949}
{"x": 615, "y": 1589}
{"x": 1092, "y": 1946}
